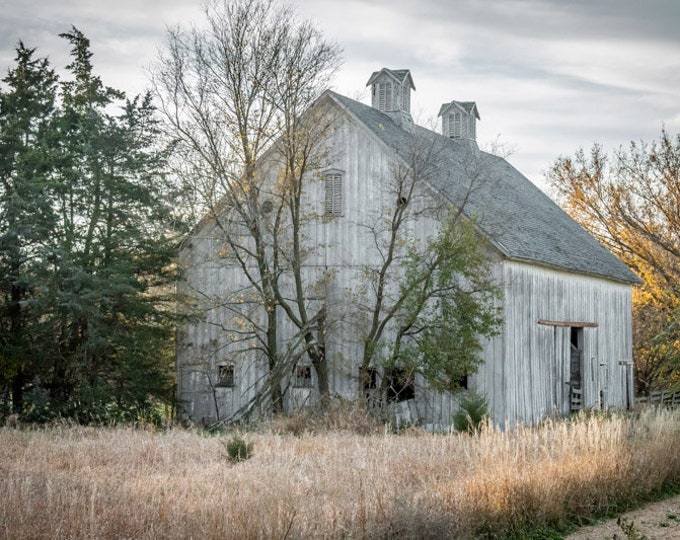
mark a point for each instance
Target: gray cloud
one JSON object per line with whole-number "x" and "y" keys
{"x": 549, "y": 76}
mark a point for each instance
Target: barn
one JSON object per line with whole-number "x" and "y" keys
{"x": 565, "y": 341}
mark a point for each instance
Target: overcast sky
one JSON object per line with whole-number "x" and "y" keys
{"x": 548, "y": 76}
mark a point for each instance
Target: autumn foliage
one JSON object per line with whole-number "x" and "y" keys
{"x": 630, "y": 201}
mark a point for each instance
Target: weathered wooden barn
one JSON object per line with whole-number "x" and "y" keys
{"x": 566, "y": 337}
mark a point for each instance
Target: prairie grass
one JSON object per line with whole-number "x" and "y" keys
{"x": 81, "y": 482}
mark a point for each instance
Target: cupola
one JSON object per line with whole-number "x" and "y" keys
{"x": 458, "y": 119}
{"x": 391, "y": 92}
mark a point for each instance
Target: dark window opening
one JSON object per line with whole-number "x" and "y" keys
{"x": 225, "y": 376}
{"x": 303, "y": 377}
{"x": 576, "y": 335}
{"x": 462, "y": 383}
{"x": 576, "y": 357}
{"x": 400, "y": 386}
{"x": 369, "y": 379}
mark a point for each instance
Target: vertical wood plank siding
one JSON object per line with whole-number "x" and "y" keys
{"x": 526, "y": 368}
{"x": 536, "y": 362}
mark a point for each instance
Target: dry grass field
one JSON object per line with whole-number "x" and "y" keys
{"x": 78, "y": 482}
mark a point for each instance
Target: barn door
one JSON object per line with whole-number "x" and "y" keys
{"x": 578, "y": 380}
{"x": 569, "y": 356}
{"x": 576, "y": 368}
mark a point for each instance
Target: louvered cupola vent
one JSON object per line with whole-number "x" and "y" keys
{"x": 391, "y": 92}
{"x": 459, "y": 119}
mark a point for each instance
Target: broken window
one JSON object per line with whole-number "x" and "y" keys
{"x": 303, "y": 377}
{"x": 463, "y": 382}
{"x": 368, "y": 378}
{"x": 225, "y": 376}
{"x": 400, "y": 385}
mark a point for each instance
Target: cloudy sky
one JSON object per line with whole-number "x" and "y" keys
{"x": 548, "y": 76}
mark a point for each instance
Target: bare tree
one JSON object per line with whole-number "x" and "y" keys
{"x": 233, "y": 95}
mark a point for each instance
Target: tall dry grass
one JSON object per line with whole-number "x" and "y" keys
{"x": 76, "y": 482}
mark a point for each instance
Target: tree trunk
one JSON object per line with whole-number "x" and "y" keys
{"x": 321, "y": 368}
{"x": 274, "y": 368}
{"x": 18, "y": 390}
{"x": 15, "y": 339}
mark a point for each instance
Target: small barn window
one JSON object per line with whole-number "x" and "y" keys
{"x": 400, "y": 386}
{"x": 368, "y": 382}
{"x": 368, "y": 378}
{"x": 463, "y": 382}
{"x": 225, "y": 376}
{"x": 303, "y": 377}
{"x": 333, "y": 199}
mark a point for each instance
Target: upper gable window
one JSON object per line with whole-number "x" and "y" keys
{"x": 334, "y": 194}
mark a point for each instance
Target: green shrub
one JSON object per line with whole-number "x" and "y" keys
{"x": 238, "y": 449}
{"x": 472, "y": 413}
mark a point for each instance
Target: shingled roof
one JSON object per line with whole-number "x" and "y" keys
{"x": 469, "y": 107}
{"x": 517, "y": 217}
{"x": 399, "y": 74}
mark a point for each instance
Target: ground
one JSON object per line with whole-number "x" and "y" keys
{"x": 656, "y": 521}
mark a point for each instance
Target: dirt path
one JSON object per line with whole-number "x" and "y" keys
{"x": 656, "y": 521}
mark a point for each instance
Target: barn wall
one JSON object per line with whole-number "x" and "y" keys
{"x": 340, "y": 250}
{"x": 534, "y": 369}
{"x": 211, "y": 280}
{"x": 524, "y": 372}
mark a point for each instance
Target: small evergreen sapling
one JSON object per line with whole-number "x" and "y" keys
{"x": 238, "y": 449}
{"x": 472, "y": 413}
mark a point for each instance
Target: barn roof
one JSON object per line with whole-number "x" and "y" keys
{"x": 399, "y": 74}
{"x": 516, "y": 216}
{"x": 469, "y": 107}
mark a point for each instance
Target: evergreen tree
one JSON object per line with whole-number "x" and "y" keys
{"x": 26, "y": 215}
{"x": 102, "y": 326}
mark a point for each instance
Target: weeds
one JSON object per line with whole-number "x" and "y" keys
{"x": 529, "y": 482}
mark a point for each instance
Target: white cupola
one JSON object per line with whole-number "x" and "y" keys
{"x": 391, "y": 92}
{"x": 458, "y": 119}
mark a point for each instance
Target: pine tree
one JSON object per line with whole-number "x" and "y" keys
{"x": 102, "y": 326}
{"x": 26, "y": 215}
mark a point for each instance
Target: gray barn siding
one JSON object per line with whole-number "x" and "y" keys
{"x": 525, "y": 367}
{"x": 534, "y": 363}
{"x": 202, "y": 345}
